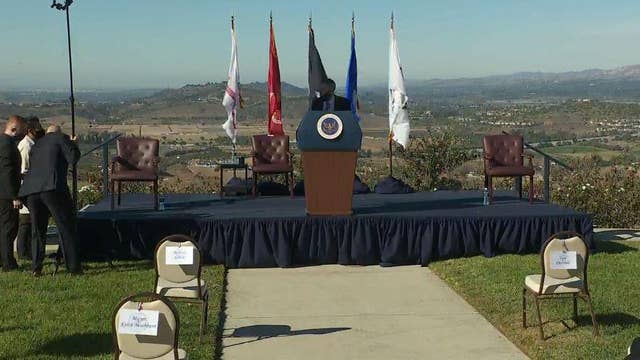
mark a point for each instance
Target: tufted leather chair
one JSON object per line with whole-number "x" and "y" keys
{"x": 271, "y": 156}
{"x": 136, "y": 161}
{"x": 504, "y": 157}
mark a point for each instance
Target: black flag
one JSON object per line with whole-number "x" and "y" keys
{"x": 316, "y": 71}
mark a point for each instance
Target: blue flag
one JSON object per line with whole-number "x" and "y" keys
{"x": 352, "y": 77}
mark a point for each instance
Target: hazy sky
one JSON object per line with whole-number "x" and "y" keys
{"x": 144, "y": 43}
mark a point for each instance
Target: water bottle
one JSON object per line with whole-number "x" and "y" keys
{"x": 161, "y": 204}
{"x": 485, "y": 196}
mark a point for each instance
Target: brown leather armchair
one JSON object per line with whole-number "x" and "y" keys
{"x": 271, "y": 156}
{"x": 504, "y": 157}
{"x": 136, "y": 161}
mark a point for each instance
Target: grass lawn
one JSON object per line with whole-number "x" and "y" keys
{"x": 494, "y": 286}
{"x": 69, "y": 317}
{"x": 580, "y": 151}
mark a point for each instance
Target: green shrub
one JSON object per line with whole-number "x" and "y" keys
{"x": 611, "y": 195}
{"x": 88, "y": 195}
{"x": 426, "y": 160}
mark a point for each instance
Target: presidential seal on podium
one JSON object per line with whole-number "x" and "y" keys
{"x": 329, "y": 126}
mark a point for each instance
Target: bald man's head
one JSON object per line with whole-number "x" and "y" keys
{"x": 53, "y": 129}
{"x": 15, "y": 127}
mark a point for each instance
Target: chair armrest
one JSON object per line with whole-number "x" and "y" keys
{"x": 253, "y": 154}
{"x": 530, "y": 157}
{"x": 488, "y": 157}
{"x": 114, "y": 160}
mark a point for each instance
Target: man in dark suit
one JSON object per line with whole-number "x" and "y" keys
{"x": 328, "y": 101}
{"x": 47, "y": 193}
{"x": 9, "y": 185}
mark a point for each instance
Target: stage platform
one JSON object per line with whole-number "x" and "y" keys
{"x": 275, "y": 231}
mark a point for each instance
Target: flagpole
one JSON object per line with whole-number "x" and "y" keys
{"x": 390, "y": 140}
{"x": 269, "y": 115}
{"x": 233, "y": 143}
{"x": 353, "y": 22}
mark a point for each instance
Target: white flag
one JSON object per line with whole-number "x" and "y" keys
{"x": 398, "y": 113}
{"x": 231, "y": 99}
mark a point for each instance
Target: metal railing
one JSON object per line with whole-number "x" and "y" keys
{"x": 546, "y": 170}
{"x": 105, "y": 161}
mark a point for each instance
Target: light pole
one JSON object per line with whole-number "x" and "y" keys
{"x": 74, "y": 169}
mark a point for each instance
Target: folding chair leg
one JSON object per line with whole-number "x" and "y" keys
{"x": 539, "y": 318}
{"x": 596, "y": 330}
{"x": 575, "y": 308}
{"x": 524, "y": 308}
{"x": 203, "y": 319}
{"x": 119, "y": 193}
{"x": 206, "y": 313}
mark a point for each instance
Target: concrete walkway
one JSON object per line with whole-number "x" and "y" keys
{"x": 605, "y": 234}
{"x": 344, "y": 312}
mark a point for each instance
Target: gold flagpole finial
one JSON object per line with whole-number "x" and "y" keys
{"x": 310, "y": 21}
{"x": 233, "y": 22}
{"x": 392, "y": 19}
{"x": 270, "y": 16}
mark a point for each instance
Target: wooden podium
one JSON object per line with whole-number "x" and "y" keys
{"x": 329, "y": 142}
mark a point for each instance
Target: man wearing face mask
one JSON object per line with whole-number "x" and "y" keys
{"x": 34, "y": 132}
{"x": 328, "y": 101}
{"x": 9, "y": 187}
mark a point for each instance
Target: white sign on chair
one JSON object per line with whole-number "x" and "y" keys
{"x": 564, "y": 260}
{"x": 179, "y": 255}
{"x": 138, "y": 322}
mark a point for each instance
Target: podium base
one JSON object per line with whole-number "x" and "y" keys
{"x": 328, "y": 181}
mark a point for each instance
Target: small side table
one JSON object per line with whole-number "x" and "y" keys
{"x": 235, "y": 167}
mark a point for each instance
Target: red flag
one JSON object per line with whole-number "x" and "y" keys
{"x": 273, "y": 87}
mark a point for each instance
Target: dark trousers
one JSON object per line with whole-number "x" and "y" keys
{"x": 8, "y": 231}
{"x": 59, "y": 206}
{"x": 23, "y": 243}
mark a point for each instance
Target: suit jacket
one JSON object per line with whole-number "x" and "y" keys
{"x": 9, "y": 168}
{"x": 339, "y": 104}
{"x": 50, "y": 160}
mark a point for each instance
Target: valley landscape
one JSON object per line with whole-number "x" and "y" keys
{"x": 568, "y": 115}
